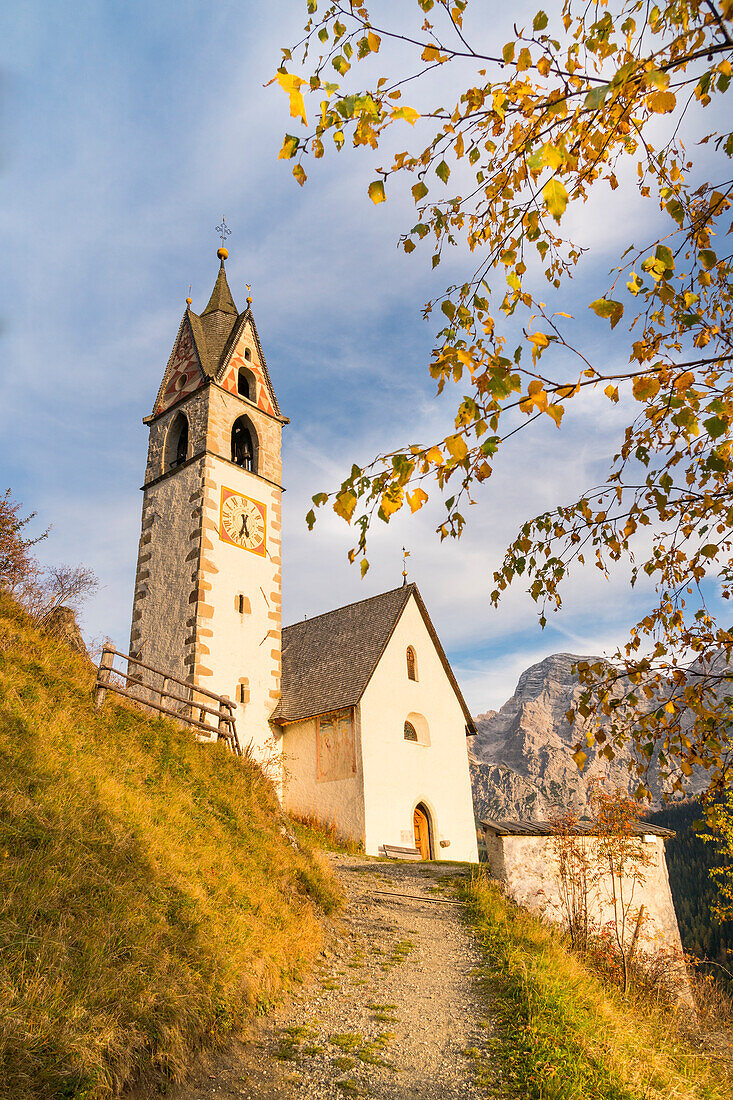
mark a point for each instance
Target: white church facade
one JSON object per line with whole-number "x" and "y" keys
{"x": 359, "y": 707}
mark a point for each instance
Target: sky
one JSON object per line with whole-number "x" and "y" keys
{"x": 128, "y": 129}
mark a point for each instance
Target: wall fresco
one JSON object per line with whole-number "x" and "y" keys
{"x": 184, "y": 375}
{"x": 335, "y": 746}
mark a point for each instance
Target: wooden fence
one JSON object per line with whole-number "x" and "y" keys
{"x": 215, "y": 714}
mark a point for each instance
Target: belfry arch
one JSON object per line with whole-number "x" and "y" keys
{"x": 176, "y": 442}
{"x": 244, "y": 444}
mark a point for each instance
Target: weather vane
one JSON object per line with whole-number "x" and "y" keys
{"x": 405, "y": 556}
{"x": 223, "y": 230}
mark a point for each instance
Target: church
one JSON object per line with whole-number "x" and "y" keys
{"x": 358, "y": 708}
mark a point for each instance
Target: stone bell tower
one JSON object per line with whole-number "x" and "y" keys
{"x": 207, "y": 604}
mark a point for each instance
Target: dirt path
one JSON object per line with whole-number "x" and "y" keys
{"x": 392, "y": 1013}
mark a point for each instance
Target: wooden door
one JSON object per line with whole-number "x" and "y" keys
{"x": 422, "y": 834}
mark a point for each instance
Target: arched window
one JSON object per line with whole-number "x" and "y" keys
{"x": 416, "y": 729}
{"x": 247, "y": 354}
{"x": 243, "y": 387}
{"x": 243, "y": 452}
{"x": 176, "y": 443}
{"x": 411, "y": 663}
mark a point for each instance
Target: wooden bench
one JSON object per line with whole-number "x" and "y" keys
{"x": 392, "y": 851}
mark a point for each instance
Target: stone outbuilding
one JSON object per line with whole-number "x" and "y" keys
{"x": 374, "y": 728}
{"x": 524, "y": 856}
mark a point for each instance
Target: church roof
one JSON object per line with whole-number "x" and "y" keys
{"x": 215, "y": 332}
{"x": 584, "y": 826}
{"x": 213, "y": 327}
{"x": 328, "y": 661}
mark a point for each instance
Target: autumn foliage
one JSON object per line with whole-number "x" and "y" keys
{"x": 581, "y": 98}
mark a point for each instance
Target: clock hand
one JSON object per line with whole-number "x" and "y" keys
{"x": 243, "y": 528}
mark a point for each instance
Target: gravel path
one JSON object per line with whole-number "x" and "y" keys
{"x": 391, "y": 1012}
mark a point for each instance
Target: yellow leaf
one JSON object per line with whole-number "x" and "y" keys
{"x": 645, "y": 387}
{"x": 344, "y": 504}
{"x": 483, "y": 472}
{"x": 580, "y": 758}
{"x": 292, "y": 85}
{"x": 391, "y": 502}
{"x": 611, "y": 392}
{"x": 456, "y": 446}
{"x": 536, "y": 396}
{"x": 661, "y": 103}
{"x": 556, "y": 412}
{"x": 376, "y": 191}
{"x": 524, "y": 60}
{"x": 556, "y": 198}
{"x": 655, "y": 78}
{"x": 417, "y": 499}
{"x": 374, "y": 41}
{"x": 684, "y": 381}
{"x": 431, "y": 53}
{"x": 289, "y": 148}
{"x": 435, "y": 455}
{"x": 409, "y": 114}
{"x": 539, "y": 341}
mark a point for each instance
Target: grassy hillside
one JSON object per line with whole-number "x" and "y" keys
{"x": 148, "y": 901}
{"x": 563, "y": 1033}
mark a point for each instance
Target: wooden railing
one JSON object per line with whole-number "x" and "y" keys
{"x": 183, "y": 707}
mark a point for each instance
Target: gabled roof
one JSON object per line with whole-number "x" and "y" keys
{"x": 585, "y": 826}
{"x": 215, "y": 333}
{"x": 328, "y": 661}
{"x": 246, "y": 317}
{"x": 217, "y": 322}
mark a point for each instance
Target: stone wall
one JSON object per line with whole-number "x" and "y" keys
{"x": 166, "y": 582}
{"x": 528, "y": 867}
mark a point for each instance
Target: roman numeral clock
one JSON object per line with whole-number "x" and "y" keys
{"x": 243, "y": 521}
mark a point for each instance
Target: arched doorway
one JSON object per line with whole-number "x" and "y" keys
{"x": 421, "y": 828}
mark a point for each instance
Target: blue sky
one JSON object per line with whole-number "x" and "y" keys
{"x": 128, "y": 130}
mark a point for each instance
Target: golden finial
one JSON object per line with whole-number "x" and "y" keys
{"x": 405, "y": 556}
{"x": 249, "y": 295}
{"x": 189, "y": 299}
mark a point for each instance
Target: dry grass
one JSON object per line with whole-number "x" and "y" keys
{"x": 564, "y": 1033}
{"x": 148, "y": 900}
{"x": 323, "y": 835}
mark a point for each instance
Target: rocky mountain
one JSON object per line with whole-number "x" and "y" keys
{"x": 522, "y": 755}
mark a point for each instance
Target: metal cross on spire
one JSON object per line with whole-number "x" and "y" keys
{"x": 405, "y": 556}
{"x": 223, "y": 230}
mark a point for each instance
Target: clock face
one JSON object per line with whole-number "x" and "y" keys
{"x": 243, "y": 521}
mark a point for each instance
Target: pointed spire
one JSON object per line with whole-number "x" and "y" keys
{"x": 221, "y": 296}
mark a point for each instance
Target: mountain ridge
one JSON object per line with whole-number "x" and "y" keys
{"x": 521, "y": 756}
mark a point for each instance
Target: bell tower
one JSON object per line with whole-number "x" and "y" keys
{"x": 207, "y": 603}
